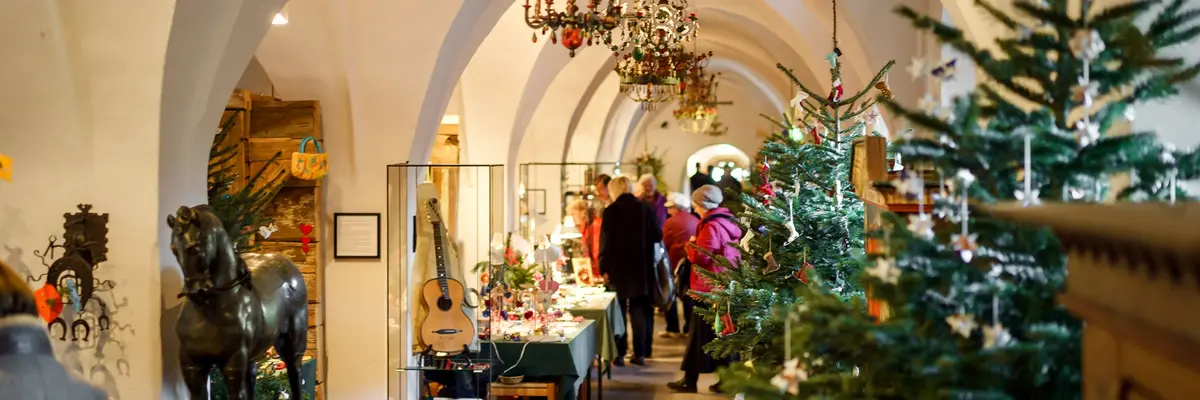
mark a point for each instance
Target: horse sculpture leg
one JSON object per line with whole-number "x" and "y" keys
{"x": 251, "y": 378}
{"x": 291, "y": 345}
{"x": 239, "y": 381}
{"x": 196, "y": 378}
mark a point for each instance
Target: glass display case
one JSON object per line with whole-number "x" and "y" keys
{"x": 546, "y": 190}
{"x": 440, "y": 220}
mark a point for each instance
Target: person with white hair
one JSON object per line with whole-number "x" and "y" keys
{"x": 627, "y": 255}
{"x": 648, "y": 193}
{"x": 677, "y": 231}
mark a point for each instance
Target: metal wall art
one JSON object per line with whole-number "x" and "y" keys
{"x": 70, "y": 280}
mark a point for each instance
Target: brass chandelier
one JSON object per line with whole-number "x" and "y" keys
{"x": 654, "y": 26}
{"x": 575, "y": 26}
{"x": 698, "y": 102}
{"x": 654, "y": 78}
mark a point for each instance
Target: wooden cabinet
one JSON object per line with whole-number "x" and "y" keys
{"x": 267, "y": 132}
{"x": 871, "y": 175}
{"x": 1135, "y": 281}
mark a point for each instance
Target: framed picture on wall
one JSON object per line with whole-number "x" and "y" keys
{"x": 356, "y": 235}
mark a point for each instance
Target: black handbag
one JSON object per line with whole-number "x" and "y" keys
{"x": 664, "y": 293}
{"x": 683, "y": 277}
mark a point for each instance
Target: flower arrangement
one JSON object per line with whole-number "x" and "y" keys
{"x": 513, "y": 267}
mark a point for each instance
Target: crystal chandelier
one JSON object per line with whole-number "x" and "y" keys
{"x": 654, "y": 78}
{"x": 698, "y": 103}
{"x": 574, "y": 26}
{"x": 654, "y": 26}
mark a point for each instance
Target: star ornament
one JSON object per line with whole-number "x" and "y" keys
{"x": 909, "y": 184}
{"x": 927, "y": 104}
{"x": 962, "y": 324}
{"x": 885, "y": 269}
{"x": 966, "y": 245}
{"x": 916, "y": 68}
{"x": 921, "y": 225}
{"x": 996, "y": 336}
{"x": 1030, "y": 199}
{"x": 789, "y": 379}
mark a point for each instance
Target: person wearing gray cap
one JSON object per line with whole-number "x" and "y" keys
{"x": 677, "y": 231}
{"x": 717, "y": 235}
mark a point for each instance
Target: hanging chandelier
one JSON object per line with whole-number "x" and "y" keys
{"x": 654, "y": 26}
{"x": 575, "y": 26}
{"x": 654, "y": 78}
{"x": 697, "y": 102}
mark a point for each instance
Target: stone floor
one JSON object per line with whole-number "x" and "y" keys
{"x": 643, "y": 383}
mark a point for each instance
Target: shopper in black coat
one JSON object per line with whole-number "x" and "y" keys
{"x": 627, "y": 240}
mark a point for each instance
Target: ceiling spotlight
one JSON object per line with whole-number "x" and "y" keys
{"x": 279, "y": 19}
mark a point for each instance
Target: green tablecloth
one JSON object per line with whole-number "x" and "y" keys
{"x": 568, "y": 361}
{"x": 603, "y": 309}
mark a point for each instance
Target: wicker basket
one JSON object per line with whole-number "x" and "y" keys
{"x": 512, "y": 380}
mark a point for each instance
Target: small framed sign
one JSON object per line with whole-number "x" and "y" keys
{"x": 356, "y": 235}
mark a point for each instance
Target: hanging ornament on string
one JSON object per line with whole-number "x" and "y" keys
{"x": 962, "y": 324}
{"x": 884, "y": 89}
{"x": 1028, "y": 196}
{"x": 801, "y": 273}
{"x": 814, "y": 135}
{"x": 791, "y": 224}
{"x": 921, "y": 225}
{"x": 835, "y": 95}
{"x": 916, "y": 68}
{"x": 832, "y": 58}
{"x": 788, "y": 380}
{"x": 798, "y": 103}
{"x": 767, "y": 190}
{"x": 772, "y": 265}
{"x": 996, "y": 335}
{"x": 965, "y": 241}
{"x": 885, "y": 270}
{"x": 927, "y": 104}
{"x": 744, "y": 243}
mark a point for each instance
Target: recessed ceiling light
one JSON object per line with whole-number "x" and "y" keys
{"x": 280, "y": 19}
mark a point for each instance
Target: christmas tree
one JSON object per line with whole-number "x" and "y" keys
{"x": 973, "y": 313}
{"x": 244, "y": 209}
{"x": 805, "y": 224}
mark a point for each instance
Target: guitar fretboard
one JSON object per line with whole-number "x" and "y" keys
{"x": 441, "y": 260}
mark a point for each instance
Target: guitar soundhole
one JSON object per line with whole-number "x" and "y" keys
{"x": 444, "y": 303}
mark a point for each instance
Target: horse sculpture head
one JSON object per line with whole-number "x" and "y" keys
{"x": 204, "y": 251}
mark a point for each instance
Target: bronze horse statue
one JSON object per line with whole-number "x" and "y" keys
{"x": 235, "y": 308}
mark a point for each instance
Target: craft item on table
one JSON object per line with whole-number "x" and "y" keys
{"x": 6, "y": 168}
{"x": 310, "y": 166}
{"x": 266, "y": 231}
{"x": 49, "y": 302}
{"x": 305, "y": 229}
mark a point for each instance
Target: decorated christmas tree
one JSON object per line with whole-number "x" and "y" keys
{"x": 805, "y": 223}
{"x": 242, "y": 210}
{"x": 971, "y": 297}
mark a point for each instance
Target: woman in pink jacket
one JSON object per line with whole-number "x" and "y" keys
{"x": 717, "y": 234}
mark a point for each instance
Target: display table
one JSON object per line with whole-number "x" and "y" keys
{"x": 601, "y": 307}
{"x": 567, "y": 361}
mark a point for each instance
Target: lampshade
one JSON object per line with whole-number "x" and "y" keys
{"x": 569, "y": 231}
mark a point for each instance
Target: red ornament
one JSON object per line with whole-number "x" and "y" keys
{"x": 802, "y": 273}
{"x": 836, "y": 94}
{"x": 729, "y": 327}
{"x": 306, "y": 229}
{"x": 572, "y": 38}
{"x": 816, "y": 136}
{"x": 49, "y": 302}
{"x": 766, "y": 189}
{"x": 529, "y": 314}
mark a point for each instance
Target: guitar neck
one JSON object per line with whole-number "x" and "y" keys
{"x": 439, "y": 255}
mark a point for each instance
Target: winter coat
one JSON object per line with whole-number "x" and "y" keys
{"x": 28, "y": 370}
{"x": 659, "y": 204}
{"x": 678, "y": 230}
{"x": 591, "y": 243}
{"x": 718, "y": 236}
{"x": 627, "y": 240}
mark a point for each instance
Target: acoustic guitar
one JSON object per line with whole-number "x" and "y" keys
{"x": 447, "y": 328}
